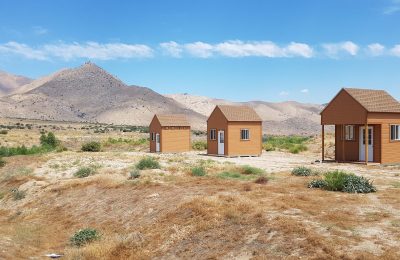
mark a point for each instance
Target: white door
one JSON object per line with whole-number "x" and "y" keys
{"x": 370, "y": 142}
{"x": 221, "y": 142}
{"x": 157, "y": 142}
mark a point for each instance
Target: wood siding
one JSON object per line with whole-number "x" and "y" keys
{"x": 175, "y": 139}
{"x": 343, "y": 109}
{"x": 216, "y": 121}
{"x": 349, "y": 150}
{"x": 390, "y": 149}
{"x": 233, "y": 145}
{"x": 253, "y": 146}
{"x": 155, "y": 127}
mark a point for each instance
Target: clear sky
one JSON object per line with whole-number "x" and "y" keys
{"x": 303, "y": 50}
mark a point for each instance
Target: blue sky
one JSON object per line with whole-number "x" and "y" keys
{"x": 239, "y": 50}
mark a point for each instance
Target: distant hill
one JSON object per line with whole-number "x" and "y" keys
{"x": 89, "y": 93}
{"x": 10, "y": 83}
{"x": 284, "y": 118}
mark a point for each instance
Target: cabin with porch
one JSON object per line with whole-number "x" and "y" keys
{"x": 234, "y": 131}
{"x": 169, "y": 133}
{"x": 367, "y": 126}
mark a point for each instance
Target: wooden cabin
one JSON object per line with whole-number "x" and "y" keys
{"x": 234, "y": 131}
{"x": 169, "y": 133}
{"x": 360, "y": 117}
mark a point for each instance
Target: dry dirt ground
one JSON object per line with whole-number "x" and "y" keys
{"x": 167, "y": 213}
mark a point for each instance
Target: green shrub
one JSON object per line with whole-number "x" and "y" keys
{"x": 335, "y": 180}
{"x": 48, "y": 140}
{"x": 91, "y": 147}
{"x": 302, "y": 171}
{"x": 134, "y": 174}
{"x": 2, "y": 162}
{"x": 148, "y": 163}
{"x": 342, "y": 181}
{"x": 199, "y": 145}
{"x": 84, "y": 236}
{"x": 358, "y": 184}
{"x": 293, "y": 144}
{"x": 251, "y": 170}
{"x": 84, "y": 172}
{"x": 3, "y": 132}
{"x": 18, "y": 194}
{"x": 268, "y": 147}
{"x": 230, "y": 175}
{"x": 317, "y": 183}
{"x": 198, "y": 171}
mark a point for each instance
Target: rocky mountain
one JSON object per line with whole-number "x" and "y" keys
{"x": 10, "y": 83}
{"x": 90, "y": 94}
{"x": 284, "y": 118}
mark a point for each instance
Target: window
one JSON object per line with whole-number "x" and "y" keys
{"x": 349, "y": 132}
{"x": 244, "y": 134}
{"x": 395, "y": 132}
{"x": 213, "y": 134}
{"x": 152, "y": 136}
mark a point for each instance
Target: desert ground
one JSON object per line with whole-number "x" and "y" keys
{"x": 168, "y": 213}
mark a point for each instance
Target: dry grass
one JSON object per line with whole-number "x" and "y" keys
{"x": 169, "y": 214}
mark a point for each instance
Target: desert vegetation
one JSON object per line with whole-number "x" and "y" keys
{"x": 293, "y": 144}
{"x": 124, "y": 203}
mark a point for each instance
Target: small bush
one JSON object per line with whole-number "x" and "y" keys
{"x": 261, "y": 180}
{"x": 84, "y": 236}
{"x": 3, "y": 132}
{"x": 268, "y": 147}
{"x": 199, "y": 145}
{"x": 230, "y": 175}
{"x": 297, "y": 148}
{"x": 2, "y": 162}
{"x": 251, "y": 170}
{"x": 134, "y": 174}
{"x": 342, "y": 181}
{"x": 358, "y": 184}
{"x": 148, "y": 163}
{"x": 91, "y": 147}
{"x": 18, "y": 194}
{"x": 49, "y": 140}
{"x": 198, "y": 171}
{"x": 335, "y": 180}
{"x": 302, "y": 171}
{"x": 84, "y": 172}
{"x": 317, "y": 183}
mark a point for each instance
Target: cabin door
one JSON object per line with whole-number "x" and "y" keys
{"x": 370, "y": 142}
{"x": 221, "y": 142}
{"x": 157, "y": 142}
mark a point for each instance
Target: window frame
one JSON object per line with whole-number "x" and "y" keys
{"x": 215, "y": 134}
{"x": 397, "y": 132}
{"x": 152, "y": 136}
{"x": 347, "y": 136}
{"x": 243, "y": 136}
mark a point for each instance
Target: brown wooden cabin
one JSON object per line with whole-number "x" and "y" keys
{"x": 169, "y": 133}
{"x": 234, "y": 131}
{"x": 364, "y": 116}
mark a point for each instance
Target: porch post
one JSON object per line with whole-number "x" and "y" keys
{"x": 366, "y": 143}
{"x": 323, "y": 143}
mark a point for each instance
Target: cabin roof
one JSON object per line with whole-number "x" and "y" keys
{"x": 239, "y": 113}
{"x": 172, "y": 120}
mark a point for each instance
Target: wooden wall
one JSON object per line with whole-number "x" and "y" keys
{"x": 343, "y": 109}
{"x": 154, "y": 127}
{"x": 175, "y": 139}
{"x": 216, "y": 121}
{"x": 349, "y": 150}
{"x": 390, "y": 149}
{"x": 244, "y": 147}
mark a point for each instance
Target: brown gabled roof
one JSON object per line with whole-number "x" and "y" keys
{"x": 374, "y": 100}
{"x": 172, "y": 120}
{"x": 239, "y": 113}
